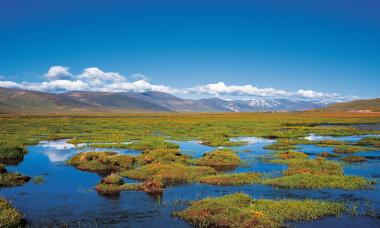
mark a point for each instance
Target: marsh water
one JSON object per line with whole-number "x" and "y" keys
{"x": 67, "y": 195}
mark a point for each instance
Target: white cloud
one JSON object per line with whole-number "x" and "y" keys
{"x": 9, "y": 84}
{"x": 96, "y": 77}
{"x": 59, "y": 79}
{"x": 220, "y": 88}
{"x": 138, "y": 86}
{"x": 314, "y": 94}
{"x": 57, "y": 85}
{"x": 58, "y": 73}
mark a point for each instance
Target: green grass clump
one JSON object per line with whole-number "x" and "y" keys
{"x": 109, "y": 145}
{"x": 13, "y": 179}
{"x": 170, "y": 173}
{"x": 313, "y": 181}
{"x": 330, "y": 143}
{"x": 231, "y": 179}
{"x": 110, "y": 185}
{"x": 327, "y": 155}
{"x": 240, "y": 210}
{"x": 281, "y": 145}
{"x": 218, "y": 140}
{"x": 11, "y": 152}
{"x": 113, "y": 184}
{"x": 317, "y": 173}
{"x": 132, "y": 187}
{"x": 318, "y": 166}
{"x": 354, "y": 159}
{"x": 163, "y": 156}
{"x": 103, "y": 162}
{"x": 370, "y": 141}
{"x": 150, "y": 143}
{"x": 346, "y": 150}
{"x": 113, "y": 179}
{"x": 38, "y": 180}
{"x": 287, "y": 157}
{"x": 9, "y": 216}
{"x": 108, "y": 189}
{"x": 219, "y": 159}
{"x": 350, "y": 149}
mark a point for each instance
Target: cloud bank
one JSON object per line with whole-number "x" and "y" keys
{"x": 60, "y": 79}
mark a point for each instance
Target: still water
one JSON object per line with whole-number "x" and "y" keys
{"x": 68, "y": 197}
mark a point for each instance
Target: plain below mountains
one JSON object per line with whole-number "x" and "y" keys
{"x": 15, "y": 101}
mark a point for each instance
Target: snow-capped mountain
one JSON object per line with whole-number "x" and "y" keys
{"x": 263, "y": 105}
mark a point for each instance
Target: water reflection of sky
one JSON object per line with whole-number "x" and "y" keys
{"x": 57, "y": 151}
{"x": 60, "y": 150}
{"x": 354, "y": 138}
{"x": 252, "y": 140}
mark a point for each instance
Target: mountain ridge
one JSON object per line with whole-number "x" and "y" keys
{"x": 34, "y": 102}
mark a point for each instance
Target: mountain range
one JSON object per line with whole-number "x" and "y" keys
{"x": 32, "y": 102}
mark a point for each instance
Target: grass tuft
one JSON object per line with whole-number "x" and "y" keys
{"x": 281, "y": 145}
{"x": 231, "y": 179}
{"x": 102, "y": 162}
{"x": 240, "y": 210}
{"x": 318, "y": 166}
{"x": 327, "y": 155}
{"x": 370, "y": 141}
{"x": 11, "y": 153}
{"x": 219, "y": 159}
{"x": 11, "y": 179}
{"x": 9, "y": 216}
{"x": 354, "y": 159}
{"x": 172, "y": 173}
{"x": 312, "y": 181}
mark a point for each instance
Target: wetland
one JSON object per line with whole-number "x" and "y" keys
{"x": 185, "y": 170}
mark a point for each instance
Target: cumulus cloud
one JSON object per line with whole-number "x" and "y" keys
{"x": 138, "y": 86}
{"x": 9, "y": 84}
{"x": 59, "y": 79}
{"x": 219, "y": 89}
{"x": 315, "y": 94}
{"x": 96, "y": 77}
{"x": 57, "y": 86}
{"x": 58, "y": 73}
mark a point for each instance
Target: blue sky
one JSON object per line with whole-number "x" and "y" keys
{"x": 331, "y": 47}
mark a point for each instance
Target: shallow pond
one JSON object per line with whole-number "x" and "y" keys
{"x": 67, "y": 195}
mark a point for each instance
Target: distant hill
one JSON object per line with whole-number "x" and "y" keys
{"x": 16, "y": 101}
{"x": 371, "y": 105}
{"x": 32, "y": 102}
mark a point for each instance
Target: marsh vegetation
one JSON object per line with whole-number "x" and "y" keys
{"x": 240, "y": 210}
{"x": 9, "y": 216}
{"x": 99, "y": 153}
